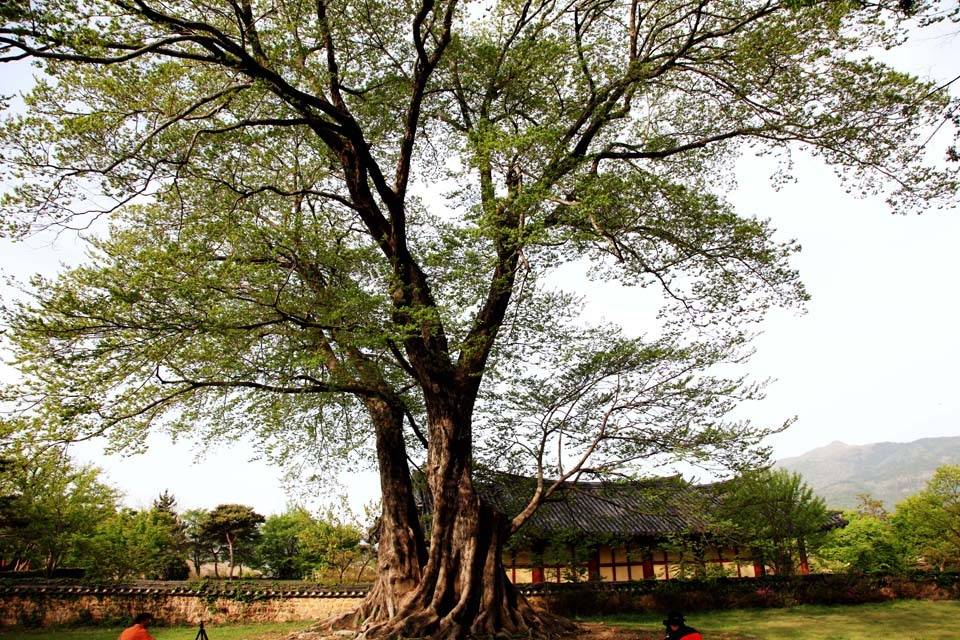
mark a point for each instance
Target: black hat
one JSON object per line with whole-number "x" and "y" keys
{"x": 674, "y": 617}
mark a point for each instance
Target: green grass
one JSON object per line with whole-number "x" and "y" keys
{"x": 267, "y": 631}
{"x": 903, "y": 620}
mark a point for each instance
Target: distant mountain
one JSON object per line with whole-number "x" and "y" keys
{"x": 889, "y": 471}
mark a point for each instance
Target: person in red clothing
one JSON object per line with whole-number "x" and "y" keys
{"x": 677, "y": 628}
{"x": 139, "y": 629}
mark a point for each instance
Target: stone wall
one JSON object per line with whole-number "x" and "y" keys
{"x": 64, "y": 604}
{"x": 61, "y": 605}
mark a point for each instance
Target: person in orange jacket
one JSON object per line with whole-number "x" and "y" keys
{"x": 139, "y": 629}
{"x": 677, "y": 628}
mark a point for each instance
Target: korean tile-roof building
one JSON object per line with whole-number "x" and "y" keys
{"x": 618, "y": 531}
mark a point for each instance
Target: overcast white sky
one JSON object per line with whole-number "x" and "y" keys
{"x": 875, "y": 357}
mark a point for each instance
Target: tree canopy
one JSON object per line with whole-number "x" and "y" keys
{"x": 53, "y": 505}
{"x": 236, "y": 527}
{"x": 929, "y": 521}
{"x": 334, "y": 225}
{"x": 778, "y": 515}
{"x": 866, "y": 544}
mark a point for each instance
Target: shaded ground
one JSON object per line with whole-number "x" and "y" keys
{"x": 273, "y": 631}
{"x": 903, "y": 620}
{"x": 609, "y": 631}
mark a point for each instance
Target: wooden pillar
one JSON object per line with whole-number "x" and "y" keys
{"x": 648, "y": 572}
{"x": 537, "y": 575}
{"x": 804, "y": 561}
{"x": 593, "y": 565}
{"x": 628, "y": 557}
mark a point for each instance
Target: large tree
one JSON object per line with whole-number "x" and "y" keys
{"x": 236, "y": 527}
{"x": 929, "y": 520}
{"x": 775, "y": 513}
{"x": 335, "y": 224}
{"x": 56, "y": 505}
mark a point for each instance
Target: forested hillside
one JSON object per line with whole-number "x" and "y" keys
{"x": 890, "y": 471}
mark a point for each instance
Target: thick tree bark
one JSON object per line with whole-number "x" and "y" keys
{"x": 463, "y": 589}
{"x": 457, "y": 587}
{"x": 402, "y": 551}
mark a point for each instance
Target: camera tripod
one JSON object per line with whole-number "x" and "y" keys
{"x": 201, "y": 633}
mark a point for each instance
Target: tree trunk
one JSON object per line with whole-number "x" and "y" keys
{"x": 804, "y": 561}
{"x": 402, "y": 551}
{"x": 458, "y": 587}
{"x": 230, "y": 556}
{"x": 464, "y": 590}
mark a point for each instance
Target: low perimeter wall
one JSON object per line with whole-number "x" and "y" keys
{"x": 45, "y": 605}
{"x": 65, "y": 604}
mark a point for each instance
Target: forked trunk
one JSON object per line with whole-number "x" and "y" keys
{"x": 464, "y": 590}
{"x": 458, "y": 587}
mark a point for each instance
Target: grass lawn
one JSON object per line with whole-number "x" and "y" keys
{"x": 267, "y": 631}
{"x": 904, "y": 620}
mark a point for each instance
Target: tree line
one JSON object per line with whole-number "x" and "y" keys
{"x": 774, "y": 519}
{"x": 787, "y": 527}
{"x": 778, "y": 515}
{"x": 923, "y": 531}
{"x": 56, "y": 514}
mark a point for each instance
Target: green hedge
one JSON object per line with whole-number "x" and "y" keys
{"x": 733, "y": 593}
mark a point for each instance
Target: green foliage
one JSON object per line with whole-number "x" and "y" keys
{"x": 929, "y": 521}
{"x": 280, "y": 553}
{"x": 56, "y": 504}
{"x": 334, "y": 545}
{"x": 867, "y": 544}
{"x": 136, "y": 545}
{"x": 267, "y": 258}
{"x": 776, "y": 514}
{"x": 200, "y": 547}
{"x": 9, "y": 518}
{"x": 236, "y": 528}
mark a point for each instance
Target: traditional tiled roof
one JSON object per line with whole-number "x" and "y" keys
{"x": 656, "y": 507}
{"x": 651, "y": 508}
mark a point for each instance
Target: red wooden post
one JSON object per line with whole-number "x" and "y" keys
{"x": 593, "y": 565}
{"x": 648, "y": 572}
{"x": 758, "y": 569}
{"x": 537, "y": 575}
{"x": 804, "y": 562}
